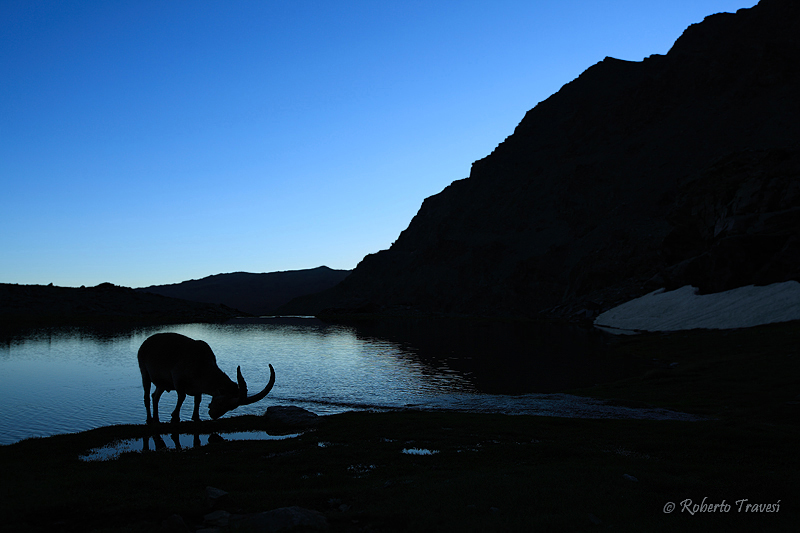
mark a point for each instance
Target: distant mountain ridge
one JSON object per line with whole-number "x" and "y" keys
{"x": 105, "y": 304}
{"x": 255, "y": 294}
{"x": 678, "y": 169}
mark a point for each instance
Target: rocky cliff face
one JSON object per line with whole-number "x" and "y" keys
{"x": 678, "y": 169}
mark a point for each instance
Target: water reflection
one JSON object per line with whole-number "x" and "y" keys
{"x": 502, "y": 357}
{"x": 173, "y": 441}
{"x": 62, "y": 380}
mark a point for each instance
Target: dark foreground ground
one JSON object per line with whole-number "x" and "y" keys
{"x": 491, "y": 472}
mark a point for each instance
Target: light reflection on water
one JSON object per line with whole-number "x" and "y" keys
{"x": 72, "y": 379}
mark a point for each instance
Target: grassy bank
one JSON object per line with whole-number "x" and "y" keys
{"x": 490, "y": 472}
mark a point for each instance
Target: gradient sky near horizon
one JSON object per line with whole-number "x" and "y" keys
{"x": 151, "y": 142}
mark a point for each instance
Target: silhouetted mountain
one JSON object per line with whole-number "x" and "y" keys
{"x": 256, "y": 294}
{"x": 681, "y": 168}
{"x": 40, "y": 305}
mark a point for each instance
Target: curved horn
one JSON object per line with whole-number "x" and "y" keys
{"x": 246, "y": 400}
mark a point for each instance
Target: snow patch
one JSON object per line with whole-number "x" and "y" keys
{"x": 685, "y": 309}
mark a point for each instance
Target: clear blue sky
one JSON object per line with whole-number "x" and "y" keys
{"x": 153, "y": 142}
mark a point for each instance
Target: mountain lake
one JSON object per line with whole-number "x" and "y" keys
{"x": 69, "y": 379}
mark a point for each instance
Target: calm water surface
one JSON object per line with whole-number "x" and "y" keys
{"x": 72, "y": 379}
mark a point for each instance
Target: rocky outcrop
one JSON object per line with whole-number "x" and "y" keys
{"x": 738, "y": 224}
{"x": 283, "y": 519}
{"x": 677, "y": 169}
{"x": 290, "y": 417}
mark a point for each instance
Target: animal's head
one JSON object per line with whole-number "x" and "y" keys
{"x": 233, "y": 396}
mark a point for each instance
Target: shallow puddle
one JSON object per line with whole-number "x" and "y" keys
{"x": 173, "y": 442}
{"x": 419, "y": 451}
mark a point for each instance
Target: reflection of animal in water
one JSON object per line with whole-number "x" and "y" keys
{"x": 159, "y": 444}
{"x": 172, "y": 361}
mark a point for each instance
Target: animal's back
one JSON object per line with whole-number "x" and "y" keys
{"x": 164, "y": 355}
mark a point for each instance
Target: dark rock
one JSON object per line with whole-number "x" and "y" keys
{"x": 290, "y": 416}
{"x": 681, "y": 168}
{"x": 282, "y": 519}
{"x": 216, "y": 497}
{"x": 218, "y": 518}
{"x": 174, "y": 524}
{"x": 743, "y": 218}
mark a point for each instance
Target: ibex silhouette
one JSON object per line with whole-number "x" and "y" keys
{"x": 173, "y": 361}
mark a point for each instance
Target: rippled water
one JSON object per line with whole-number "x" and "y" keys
{"x": 72, "y": 379}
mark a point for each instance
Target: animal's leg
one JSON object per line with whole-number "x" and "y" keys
{"x": 156, "y": 395}
{"x": 196, "y": 413}
{"x": 176, "y": 414}
{"x": 146, "y": 385}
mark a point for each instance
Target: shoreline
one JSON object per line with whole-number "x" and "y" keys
{"x": 490, "y": 472}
